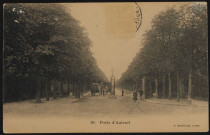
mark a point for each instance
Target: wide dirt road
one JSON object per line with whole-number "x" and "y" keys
{"x": 97, "y": 113}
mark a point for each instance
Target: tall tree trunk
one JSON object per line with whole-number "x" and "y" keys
{"x": 47, "y": 89}
{"x": 54, "y": 88}
{"x": 79, "y": 90}
{"x": 61, "y": 89}
{"x": 190, "y": 86}
{"x": 43, "y": 83}
{"x": 140, "y": 85}
{"x": 156, "y": 88}
{"x": 180, "y": 88}
{"x": 169, "y": 86}
{"x": 73, "y": 89}
{"x": 150, "y": 87}
{"x": 68, "y": 89}
{"x": 164, "y": 88}
{"x": 38, "y": 99}
{"x": 4, "y": 90}
{"x": 177, "y": 85}
{"x": 144, "y": 86}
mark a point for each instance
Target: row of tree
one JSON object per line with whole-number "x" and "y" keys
{"x": 174, "y": 56}
{"x": 43, "y": 44}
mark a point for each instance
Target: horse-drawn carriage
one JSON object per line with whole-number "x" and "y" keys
{"x": 95, "y": 88}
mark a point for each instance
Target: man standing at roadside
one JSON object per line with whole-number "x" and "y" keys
{"x": 135, "y": 95}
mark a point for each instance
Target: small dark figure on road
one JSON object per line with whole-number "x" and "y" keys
{"x": 135, "y": 95}
{"x": 141, "y": 94}
{"x": 122, "y": 92}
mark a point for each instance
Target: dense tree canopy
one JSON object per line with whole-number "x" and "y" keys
{"x": 45, "y": 41}
{"x": 175, "y": 45}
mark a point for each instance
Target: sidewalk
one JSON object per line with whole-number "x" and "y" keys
{"x": 182, "y": 102}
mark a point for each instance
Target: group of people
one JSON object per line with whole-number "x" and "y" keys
{"x": 135, "y": 95}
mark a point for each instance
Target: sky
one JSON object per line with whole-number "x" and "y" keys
{"x": 111, "y": 28}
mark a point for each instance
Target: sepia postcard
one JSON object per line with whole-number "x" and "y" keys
{"x": 106, "y": 67}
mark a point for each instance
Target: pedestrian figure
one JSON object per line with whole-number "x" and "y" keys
{"x": 122, "y": 92}
{"x": 135, "y": 95}
{"x": 141, "y": 94}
